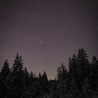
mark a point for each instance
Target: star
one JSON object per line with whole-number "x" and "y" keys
{"x": 47, "y": 32}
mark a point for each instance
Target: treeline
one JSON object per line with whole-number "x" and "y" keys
{"x": 81, "y": 79}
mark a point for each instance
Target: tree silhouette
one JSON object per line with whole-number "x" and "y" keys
{"x": 27, "y": 82}
{"x": 44, "y": 84}
{"x": 83, "y": 67}
{"x": 73, "y": 71}
{"x": 62, "y": 80}
{"x": 80, "y": 79}
{"x": 17, "y": 83}
{"x": 4, "y": 80}
{"x": 26, "y": 77}
{"x": 94, "y": 73}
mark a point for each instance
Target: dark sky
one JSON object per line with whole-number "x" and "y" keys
{"x": 47, "y": 32}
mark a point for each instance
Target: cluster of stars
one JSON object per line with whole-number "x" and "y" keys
{"x": 46, "y": 33}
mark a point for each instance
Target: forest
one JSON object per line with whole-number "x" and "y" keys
{"x": 79, "y": 81}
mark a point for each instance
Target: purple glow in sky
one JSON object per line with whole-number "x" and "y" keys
{"x": 47, "y": 32}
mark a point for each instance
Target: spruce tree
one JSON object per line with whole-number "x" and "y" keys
{"x": 4, "y": 80}
{"x": 31, "y": 84}
{"x": 26, "y": 77}
{"x": 73, "y": 71}
{"x": 31, "y": 77}
{"x": 83, "y": 67}
{"x": 39, "y": 83}
{"x": 61, "y": 72}
{"x": 69, "y": 74}
{"x": 39, "y": 76}
{"x": 44, "y": 84}
{"x": 62, "y": 80}
{"x": 94, "y": 73}
{"x": 17, "y": 83}
{"x": 27, "y": 82}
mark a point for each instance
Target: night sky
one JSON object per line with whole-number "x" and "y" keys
{"x": 47, "y": 32}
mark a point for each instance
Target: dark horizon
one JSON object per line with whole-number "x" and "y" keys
{"x": 80, "y": 81}
{"x": 36, "y": 75}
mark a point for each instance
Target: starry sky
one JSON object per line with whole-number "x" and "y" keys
{"x": 47, "y": 32}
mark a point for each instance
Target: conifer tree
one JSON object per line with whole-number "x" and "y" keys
{"x": 39, "y": 83}
{"x": 39, "y": 76}
{"x": 4, "y": 80}
{"x": 94, "y": 73}
{"x": 31, "y": 84}
{"x": 62, "y": 80}
{"x": 74, "y": 66}
{"x": 17, "y": 83}
{"x": 44, "y": 84}
{"x": 61, "y": 72}
{"x": 27, "y": 82}
{"x": 31, "y": 77}
{"x": 83, "y": 67}
{"x": 69, "y": 79}
{"x": 26, "y": 77}
{"x": 72, "y": 70}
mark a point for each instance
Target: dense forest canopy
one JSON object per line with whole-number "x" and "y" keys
{"x": 81, "y": 79}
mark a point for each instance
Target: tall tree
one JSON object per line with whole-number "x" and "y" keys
{"x": 94, "y": 73}
{"x": 69, "y": 74}
{"x": 44, "y": 82}
{"x": 26, "y": 77}
{"x": 17, "y": 83}
{"x": 31, "y": 77}
{"x": 83, "y": 67}
{"x": 39, "y": 76}
{"x": 27, "y": 82}
{"x": 73, "y": 69}
{"x": 62, "y": 80}
{"x": 4, "y": 80}
{"x": 61, "y": 72}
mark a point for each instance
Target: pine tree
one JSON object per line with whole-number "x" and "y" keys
{"x": 83, "y": 67}
{"x": 44, "y": 82}
{"x": 31, "y": 77}
{"x": 39, "y": 76}
{"x": 27, "y": 82}
{"x": 61, "y": 72}
{"x": 62, "y": 80}
{"x": 26, "y": 77}
{"x": 70, "y": 75}
{"x": 74, "y": 66}
{"x": 17, "y": 83}
{"x": 39, "y": 84}
{"x": 73, "y": 71}
{"x": 35, "y": 85}
{"x": 4, "y": 80}
{"x": 31, "y": 84}
{"x": 94, "y": 73}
